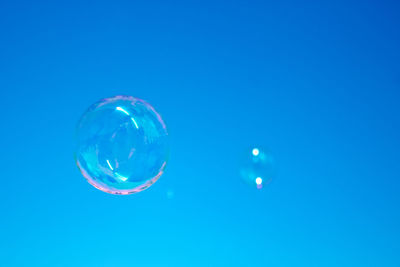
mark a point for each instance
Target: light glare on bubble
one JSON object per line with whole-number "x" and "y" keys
{"x": 122, "y": 178}
{"x": 255, "y": 152}
{"x": 123, "y": 110}
{"x": 258, "y": 180}
{"x": 134, "y": 122}
{"x": 127, "y": 113}
{"x": 109, "y": 165}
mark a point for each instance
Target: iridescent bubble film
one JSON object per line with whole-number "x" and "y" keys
{"x": 258, "y": 168}
{"x": 121, "y": 145}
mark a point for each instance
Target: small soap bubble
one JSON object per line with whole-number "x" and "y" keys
{"x": 121, "y": 145}
{"x": 258, "y": 168}
{"x": 170, "y": 194}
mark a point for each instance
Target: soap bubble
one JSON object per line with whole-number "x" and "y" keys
{"x": 170, "y": 194}
{"x": 258, "y": 168}
{"x": 121, "y": 145}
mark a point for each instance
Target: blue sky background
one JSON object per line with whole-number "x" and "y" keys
{"x": 315, "y": 82}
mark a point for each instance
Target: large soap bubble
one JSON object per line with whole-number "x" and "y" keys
{"x": 122, "y": 145}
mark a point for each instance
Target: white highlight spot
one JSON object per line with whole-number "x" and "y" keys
{"x": 134, "y": 122}
{"x": 127, "y": 113}
{"x": 256, "y": 152}
{"x": 123, "y": 110}
{"x": 122, "y": 178}
{"x": 109, "y": 165}
{"x": 258, "y": 181}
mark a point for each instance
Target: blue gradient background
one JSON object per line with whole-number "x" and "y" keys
{"x": 317, "y": 83}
